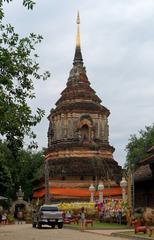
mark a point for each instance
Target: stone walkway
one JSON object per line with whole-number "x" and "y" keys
{"x": 26, "y": 232}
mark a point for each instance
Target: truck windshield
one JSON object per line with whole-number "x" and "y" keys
{"x": 52, "y": 209}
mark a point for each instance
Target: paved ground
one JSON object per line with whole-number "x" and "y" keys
{"x": 26, "y": 232}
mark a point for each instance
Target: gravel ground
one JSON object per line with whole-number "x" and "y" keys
{"x": 26, "y": 232}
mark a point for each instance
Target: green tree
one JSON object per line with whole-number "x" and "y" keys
{"x": 18, "y": 70}
{"x": 5, "y": 174}
{"x": 138, "y": 145}
{"x": 25, "y": 171}
{"x": 31, "y": 168}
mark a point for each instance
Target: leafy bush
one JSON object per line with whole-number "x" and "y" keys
{"x": 10, "y": 218}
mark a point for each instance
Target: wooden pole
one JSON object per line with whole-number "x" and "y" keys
{"x": 46, "y": 182}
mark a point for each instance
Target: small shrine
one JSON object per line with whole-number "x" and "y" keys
{"x": 21, "y": 205}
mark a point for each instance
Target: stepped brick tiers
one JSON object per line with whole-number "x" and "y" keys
{"x": 78, "y": 150}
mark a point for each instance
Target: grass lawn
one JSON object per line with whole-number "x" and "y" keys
{"x": 98, "y": 225}
{"x": 138, "y": 235}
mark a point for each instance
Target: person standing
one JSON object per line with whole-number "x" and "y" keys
{"x": 4, "y": 218}
{"x": 82, "y": 219}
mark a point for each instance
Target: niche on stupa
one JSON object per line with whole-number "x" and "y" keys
{"x": 85, "y": 129}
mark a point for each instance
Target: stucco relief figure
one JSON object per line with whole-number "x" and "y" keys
{"x": 85, "y": 128}
{"x": 85, "y": 133}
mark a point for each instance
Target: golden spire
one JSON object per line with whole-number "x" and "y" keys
{"x": 78, "y": 31}
{"x": 78, "y": 55}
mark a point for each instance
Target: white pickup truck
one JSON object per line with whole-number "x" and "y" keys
{"x": 47, "y": 215}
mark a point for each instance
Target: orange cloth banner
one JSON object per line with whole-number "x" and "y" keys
{"x": 74, "y": 192}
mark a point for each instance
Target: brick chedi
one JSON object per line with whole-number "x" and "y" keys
{"x": 78, "y": 137}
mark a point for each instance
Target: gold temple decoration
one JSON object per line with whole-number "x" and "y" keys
{"x": 78, "y": 31}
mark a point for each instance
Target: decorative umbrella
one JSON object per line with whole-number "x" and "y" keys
{"x": 3, "y": 198}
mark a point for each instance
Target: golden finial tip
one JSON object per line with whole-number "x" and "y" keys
{"x": 78, "y": 31}
{"x": 78, "y": 18}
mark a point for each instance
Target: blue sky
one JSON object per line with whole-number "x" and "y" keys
{"x": 117, "y": 42}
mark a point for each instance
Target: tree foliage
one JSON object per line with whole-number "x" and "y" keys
{"x": 5, "y": 174}
{"x": 25, "y": 170}
{"x": 26, "y": 3}
{"x": 18, "y": 69}
{"x": 138, "y": 145}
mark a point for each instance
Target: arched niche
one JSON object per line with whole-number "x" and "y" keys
{"x": 85, "y": 133}
{"x": 85, "y": 129}
{"x": 23, "y": 205}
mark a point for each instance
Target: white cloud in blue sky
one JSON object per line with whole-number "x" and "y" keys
{"x": 117, "y": 41}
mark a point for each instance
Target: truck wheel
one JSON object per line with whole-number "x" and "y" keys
{"x": 53, "y": 226}
{"x": 60, "y": 225}
{"x": 39, "y": 225}
{"x": 34, "y": 225}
